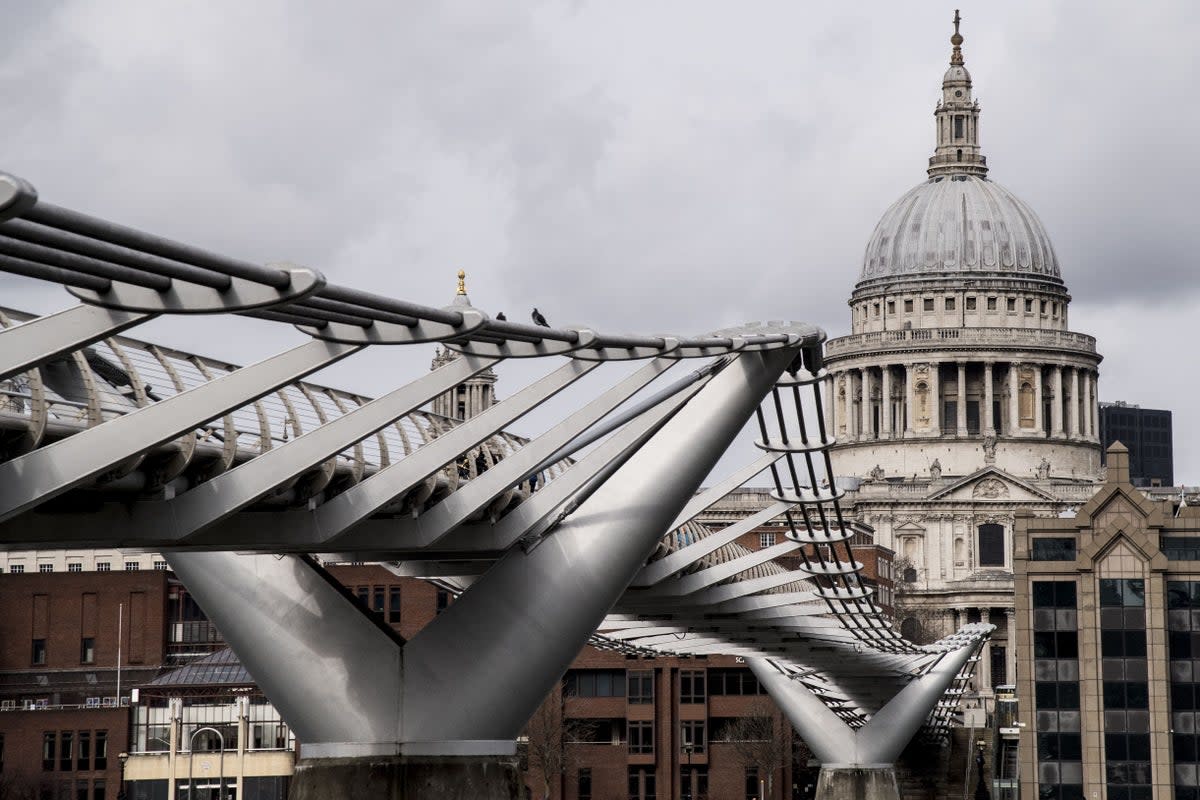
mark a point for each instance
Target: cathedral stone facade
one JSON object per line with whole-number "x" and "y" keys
{"x": 961, "y": 398}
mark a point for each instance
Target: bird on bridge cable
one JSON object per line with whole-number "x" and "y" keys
{"x": 501, "y": 317}
{"x": 538, "y": 319}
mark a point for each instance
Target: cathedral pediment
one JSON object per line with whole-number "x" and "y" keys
{"x": 992, "y": 484}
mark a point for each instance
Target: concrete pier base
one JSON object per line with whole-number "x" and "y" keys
{"x": 858, "y": 783}
{"x": 407, "y": 778}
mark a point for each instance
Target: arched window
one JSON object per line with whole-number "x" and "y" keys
{"x": 960, "y": 154}
{"x": 910, "y": 629}
{"x": 909, "y": 575}
{"x": 991, "y": 545}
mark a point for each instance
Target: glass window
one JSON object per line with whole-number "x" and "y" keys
{"x": 394, "y": 604}
{"x": 970, "y": 304}
{"x": 991, "y": 545}
{"x": 908, "y": 306}
{"x": 49, "y": 744}
{"x": 443, "y": 600}
{"x": 1127, "y": 592}
{"x": 103, "y": 566}
{"x": 752, "y": 792}
{"x": 691, "y": 734}
{"x": 585, "y": 783}
{"x": 691, "y": 686}
{"x": 45, "y": 568}
{"x": 927, "y": 304}
{"x": 641, "y": 736}
{"x": 641, "y": 686}
{"x": 39, "y": 652}
{"x": 66, "y": 750}
{"x": 641, "y": 783}
{"x": 160, "y": 566}
{"x": 891, "y": 307}
{"x": 132, "y": 566}
{"x": 949, "y": 303}
{"x": 74, "y": 566}
{"x": 693, "y": 782}
{"x": 17, "y": 569}
{"x": 1012, "y": 304}
{"x": 85, "y": 750}
{"x": 377, "y": 600}
{"x": 991, "y": 304}
{"x": 87, "y": 650}
{"x": 101, "y": 760}
{"x": 877, "y": 309}
{"x": 1029, "y": 306}
{"x": 766, "y": 540}
{"x": 1048, "y": 548}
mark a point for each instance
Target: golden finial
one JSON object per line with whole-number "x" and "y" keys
{"x": 462, "y": 282}
{"x": 956, "y": 40}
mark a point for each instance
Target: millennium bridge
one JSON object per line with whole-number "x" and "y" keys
{"x": 248, "y": 477}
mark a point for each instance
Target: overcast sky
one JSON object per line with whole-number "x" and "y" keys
{"x": 636, "y": 166}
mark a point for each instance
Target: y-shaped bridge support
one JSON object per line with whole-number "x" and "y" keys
{"x": 468, "y": 682}
{"x": 859, "y": 763}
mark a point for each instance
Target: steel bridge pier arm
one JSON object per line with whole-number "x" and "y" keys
{"x": 480, "y": 669}
{"x": 333, "y": 673}
{"x": 859, "y": 764}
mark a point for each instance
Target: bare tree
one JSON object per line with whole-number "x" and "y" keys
{"x": 549, "y": 733}
{"x": 758, "y": 744}
{"x": 13, "y": 787}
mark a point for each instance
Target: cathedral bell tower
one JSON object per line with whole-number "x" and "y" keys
{"x": 474, "y": 395}
{"x": 957, "y": 116}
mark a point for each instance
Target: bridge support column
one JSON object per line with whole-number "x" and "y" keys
{"x": 407, "y": 778}
{"x": 859, "y": 762}
{"x": 863, "y": 782}
{"x": 470, "y": 680}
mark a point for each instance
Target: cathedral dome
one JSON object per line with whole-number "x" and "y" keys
{"x": 959, "y": 224}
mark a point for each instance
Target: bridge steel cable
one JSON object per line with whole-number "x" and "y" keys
{"x": 201, "y": 459}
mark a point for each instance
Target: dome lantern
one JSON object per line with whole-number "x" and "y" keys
{"x": 957, "y": 116}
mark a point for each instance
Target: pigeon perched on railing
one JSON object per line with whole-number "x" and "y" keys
{"x": 501, "y": 316}
{"x": 538, "y": 319}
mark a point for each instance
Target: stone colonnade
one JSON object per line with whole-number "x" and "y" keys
{"x": 1003, "y": 637}
{"x": 961, "y": 398}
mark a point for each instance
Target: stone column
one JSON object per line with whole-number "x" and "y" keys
{"x": 935, "y": 398}
{"x": 830, "y": 415}
{"x": 908, "y": 399}
{"x": 866, "y": 432}
{"x": 1010, "y": 647}
{"x": 852, "y": 417}
{"x": 1014, "y": 401}
{"x": 885, "y": 411}
{"x": 1039, "y": 424}
{"x": 1056, "y": 407}
{"x": 985, "y": 661}
{"x": 1088, "y": 431}
{"x": 989, "y": 424}
{"x": 1073, "y": 408}
{"x": 1095, "y": 408}
{"x": 962, "y": 398}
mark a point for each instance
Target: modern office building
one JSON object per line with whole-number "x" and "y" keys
{"x": 1146, "y": 432}
{"x": 1108, "y": 628}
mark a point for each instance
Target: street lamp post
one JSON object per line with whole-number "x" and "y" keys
{"x": 981, "y": 792}
{"x": 687, "y": 749}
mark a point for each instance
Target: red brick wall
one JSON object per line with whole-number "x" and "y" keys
{"x": 64, "y": 607}
{"x": 22, "y": 732}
